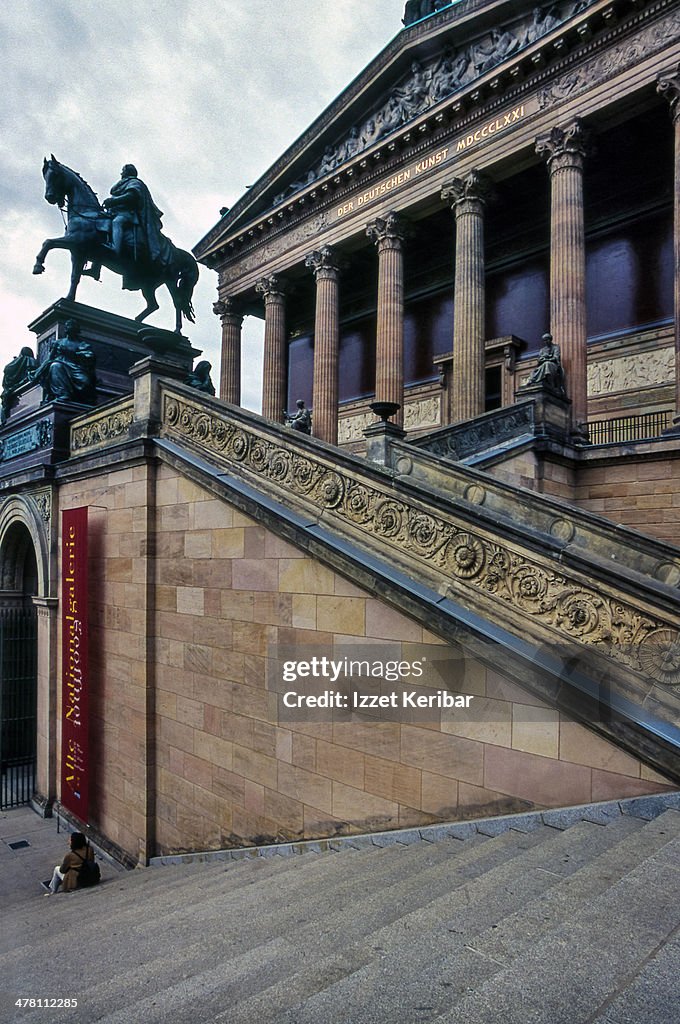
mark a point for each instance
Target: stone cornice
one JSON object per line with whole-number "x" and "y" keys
{"x": 596, "y": 25}
{"x": 309, "y": 213}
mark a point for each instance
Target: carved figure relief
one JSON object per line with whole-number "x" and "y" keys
{"x": 647, "y": 41}
{"x": 424, "y": 413}
{"x": 428, "y": 84}
{"x": 631, "y": 372}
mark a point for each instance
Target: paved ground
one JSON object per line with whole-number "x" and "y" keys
{"x": 559, "y": 917}
{"x": 23, "y": 869}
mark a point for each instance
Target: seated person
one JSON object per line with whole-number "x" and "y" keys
{"x": 301, "y": 420}
{"x": 67, "y": 874}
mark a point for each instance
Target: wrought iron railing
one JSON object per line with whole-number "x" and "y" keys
{"x": 629, "y": 428}
{"x": 18, "y": 705}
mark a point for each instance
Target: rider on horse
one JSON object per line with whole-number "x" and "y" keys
{"x": 136, "y": 235}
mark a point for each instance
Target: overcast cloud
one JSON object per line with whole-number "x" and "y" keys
{"x": 201, "y": 95}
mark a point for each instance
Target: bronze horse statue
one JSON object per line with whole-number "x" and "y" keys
{"x": 88, "y": 238}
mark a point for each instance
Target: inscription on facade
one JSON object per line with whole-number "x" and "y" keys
{"x": 395, "y": 181}
{"x": 25, "y": 441}
{"x": 498, "y": 124}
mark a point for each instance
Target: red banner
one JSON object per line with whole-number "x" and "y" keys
{"x": 75, "y": 767}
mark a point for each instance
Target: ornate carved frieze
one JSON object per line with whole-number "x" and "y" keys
{"x": 477, "y": 567}
{"x": 428, "y": 84}
{"x": 460, "y": 441}
{"x": 107, "y": 427}
{"x": 647, "y": 41}
{"x": 351, "y": 428}
{"x": 629, "y": 373}
{"x": 424, "y": 413}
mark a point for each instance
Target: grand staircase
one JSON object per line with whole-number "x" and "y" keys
{"x": 562, "y": 916}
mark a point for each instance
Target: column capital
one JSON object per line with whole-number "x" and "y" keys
{"x": 229, "y": 310}
{"x": 469, "y": 194}
{"x": 324, "y": 263}
{"x": 273, "y": 288}
{"x": 668, "y": 85}
{"x": 564, "y": 147}
{"x": 388, "y": 232}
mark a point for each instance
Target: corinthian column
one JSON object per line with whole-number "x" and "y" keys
{"x": 388, "y": 234}
{"x": 230, "y": 369}
{"x": 668, "y": 84}
{"x": 564, "y": 149}
{"x": 326, "y": 339}
{"x": 467, "y": 197}
{"x": 274, "y": 370}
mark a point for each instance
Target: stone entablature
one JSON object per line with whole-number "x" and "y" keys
{"x": 578, "y": 63}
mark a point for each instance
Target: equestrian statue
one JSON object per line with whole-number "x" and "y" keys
{"x": 124, "y": 235}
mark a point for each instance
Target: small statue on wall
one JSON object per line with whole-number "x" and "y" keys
{"x": 300, "y": 420}
{"x": 200, "y": 379}
{"x": 16, "y": 373}
{"x": 549, "y": 372}
{"x": 68, "y": 372}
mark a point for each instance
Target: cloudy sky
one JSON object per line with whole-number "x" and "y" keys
{"x": 201, "y": 95}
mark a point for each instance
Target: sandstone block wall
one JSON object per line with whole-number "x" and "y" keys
{"x": 187, "y": 595}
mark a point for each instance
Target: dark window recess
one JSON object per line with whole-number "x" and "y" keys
{"x": 300, "y": 371}
{"x": 518, "y": 301}
{"x": 356, "y": 361}
{"x": 428, "y": 332}
{"x": 493, "y": 388}
{"x": 629, "y": 275}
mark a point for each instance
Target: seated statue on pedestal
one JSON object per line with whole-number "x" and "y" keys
{"x": 200, "y": 379}
{"x": 301, "y": 420}
{"x": 549, "y": 371}
{"x": 68, "y": 373}
{"x": 16, "y": 373}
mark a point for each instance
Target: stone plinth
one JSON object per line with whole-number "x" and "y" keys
{"x": 37, "y": 434}
{"x": 117, "y": 343}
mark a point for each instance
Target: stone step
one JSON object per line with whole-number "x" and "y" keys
{"x": 582, "y": 964}
{"x": 284, "y": 895}
{"x": 652, "y": 996}
{"x": 409, "y": 947}
{"x": 356, "y": 916}
{"x": 122, "y": 893}
{"x": 400, "y": 934}
{"x": 141, "y": 962}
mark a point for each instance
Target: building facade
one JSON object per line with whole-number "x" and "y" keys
{"x": 497, "y": 173}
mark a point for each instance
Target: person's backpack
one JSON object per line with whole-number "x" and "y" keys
{"x": 88, "y": 872}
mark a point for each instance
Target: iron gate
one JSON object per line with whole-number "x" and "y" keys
{"x": 18, "y": 705}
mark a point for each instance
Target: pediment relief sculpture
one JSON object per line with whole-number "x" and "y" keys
{"x": 431, "y": 83}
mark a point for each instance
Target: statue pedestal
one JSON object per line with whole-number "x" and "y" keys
{"x": 552, "y": 411}
{"x": 37, "y": 434}
{"x": 117, "y": 343}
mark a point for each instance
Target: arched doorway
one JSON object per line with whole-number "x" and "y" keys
{"x": 18, "y": 667}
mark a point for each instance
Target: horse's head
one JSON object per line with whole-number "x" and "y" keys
{"x": 55, "y": 183}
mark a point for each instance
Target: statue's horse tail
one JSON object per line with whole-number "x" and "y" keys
{"x": 187, "y": 277}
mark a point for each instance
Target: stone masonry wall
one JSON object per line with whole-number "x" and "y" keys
{"x": 186, "y": 595}
{"x": 228, "y": 772}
